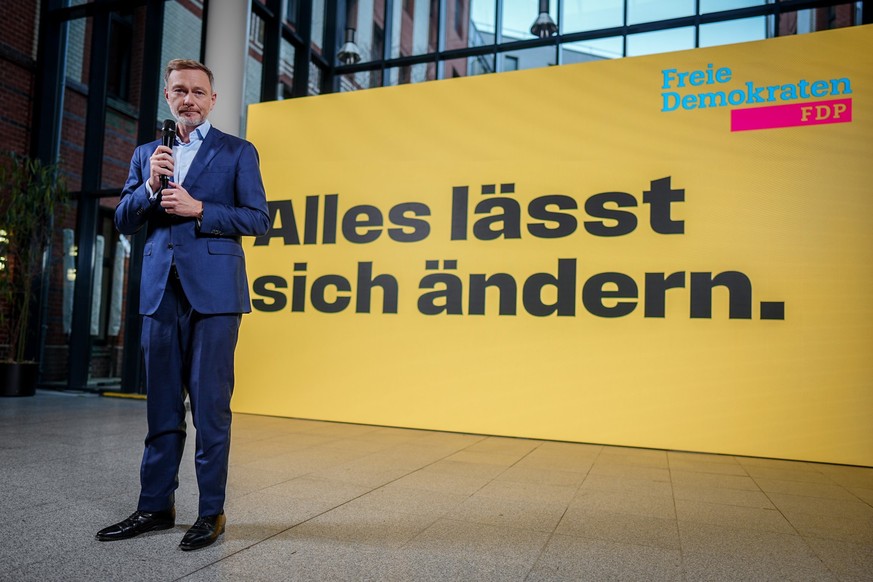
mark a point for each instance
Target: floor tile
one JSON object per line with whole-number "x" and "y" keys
{"x": 406, "y": 499}
{"x": 833, "y": 527}
{"x": 633, "y": 457}
{"x": 630, "y": 471}
{"x": 712, "y": 552}
{"x": 696, "y": 478}
{"x": 541, "y": 476}
{"x": 726, "y": 496}
{"x": 734, "y": 516}
{"x": 449, "y": 466}
{"x": 499, "y": 445}
{"x": 380, "y": 528}
{"x": 620, "y": 502}
{"x": 801, "y": 473}
{"x": 851, "y": 508}
{"x": 430, "y": 480}
{"x": 624, "y": 528}
{"x": 707, "y": 466}
{"x": 311, "y": 500}
{"x": 638, "y": 486}
{"x": 555, "y": 461}
{"x": 533, "y": 515}
{"x": 573, "y": 559}
{"x": 455, "y": 537}
{"x": 805, "y": 489}
{"x": 849, "y": 476}
{"x": 526, "y": 491}
{"x": 864, "y": 494}
{"x": 701, "y": 457}
{"x": 846, "y": 559}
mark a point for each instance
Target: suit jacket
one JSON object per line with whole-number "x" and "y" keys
{"x": 225, "y": 176}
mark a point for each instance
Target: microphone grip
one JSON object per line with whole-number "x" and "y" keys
{"x": 168, "y": 136}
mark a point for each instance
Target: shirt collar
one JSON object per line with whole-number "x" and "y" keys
{"x": 199, "y": 134}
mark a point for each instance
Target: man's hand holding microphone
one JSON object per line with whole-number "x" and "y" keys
{"x": 174, "y": 199}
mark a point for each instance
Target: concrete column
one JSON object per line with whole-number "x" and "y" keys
{"x": 227, "y": 43}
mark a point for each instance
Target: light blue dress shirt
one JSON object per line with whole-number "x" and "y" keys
{"x": 183, "y": 153}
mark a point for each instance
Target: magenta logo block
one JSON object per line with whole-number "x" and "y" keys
{"x": 794, "y": 115}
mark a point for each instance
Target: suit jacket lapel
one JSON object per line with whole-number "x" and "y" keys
{"x": 212, "y": 144}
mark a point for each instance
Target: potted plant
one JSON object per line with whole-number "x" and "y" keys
{"x": 30, "y": 192}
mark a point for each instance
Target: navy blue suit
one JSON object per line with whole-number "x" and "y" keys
{"x": 193, "y": 292}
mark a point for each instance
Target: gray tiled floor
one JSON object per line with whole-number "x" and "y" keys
{"x": 325, "y": 501}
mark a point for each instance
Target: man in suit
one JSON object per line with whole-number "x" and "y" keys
{"x": 193, "y": 294}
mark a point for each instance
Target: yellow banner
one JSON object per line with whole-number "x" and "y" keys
{"x": 672, "y": 251}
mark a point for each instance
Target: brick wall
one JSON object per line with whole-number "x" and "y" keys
{"x": 17, "y": 73}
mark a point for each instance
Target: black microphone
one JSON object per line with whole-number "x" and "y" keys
{"x": 168, "y": 138}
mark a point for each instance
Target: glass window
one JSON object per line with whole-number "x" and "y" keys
{"x": 317, "y": 25}
{"x": 733, "y": 31}
{"x": 458, "y": 30}
{"x": 291, "y": 8}
{"x": 815, "y": 19}
{"x": 71, "y": 161}
{"x": 719, "y": 5}
{"x": 412, "y": 74}
{"x": 183, "y": 26}
{"x": 120, "y": 51}
{"x": 362, "y": 80}
{"x": 314, "y": 80}
{"x": 119, "y": 138}
{"x": 661, "y": 41}
{"x": 532, "y": 58}
{"x": 76, "y": 50}
{"x": 483, "y": 14}
{"x": 592, "y": 50}
{"x": 481, "y": 65}
{"x": 483, "y": 18}
{"x": 377, "y": 43}
{"x": 367, "y": 17}
{"x": 653, "y": 10}
{"x": 254, "y": 63}
{"x": 123, "y": 117}
{"x": 519, "y": 16}
{"x": 75, "y": 103}
{"x": 286, "y": 69}
{"x": 582, "y": 15}
{"x": 454, "y": 68}
{"x": 415, "y": 28}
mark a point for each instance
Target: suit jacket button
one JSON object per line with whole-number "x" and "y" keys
{"x": 170, "y": 246}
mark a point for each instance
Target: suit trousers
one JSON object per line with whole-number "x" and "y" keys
{"x": 187, "y": 352}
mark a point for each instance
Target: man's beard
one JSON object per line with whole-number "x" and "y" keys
{"x": 189, "y": 122}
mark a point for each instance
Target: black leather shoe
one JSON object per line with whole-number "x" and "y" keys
{"x": 203, "y": 533}
{"x": 139, "y": 522}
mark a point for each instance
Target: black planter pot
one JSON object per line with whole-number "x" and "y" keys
{"x": 18, "y": 379}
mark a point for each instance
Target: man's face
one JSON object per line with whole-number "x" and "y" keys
{"x": 190, "y": 96}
